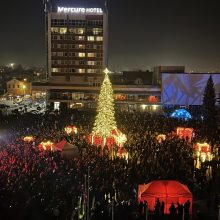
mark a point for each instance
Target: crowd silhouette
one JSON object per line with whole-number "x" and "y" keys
{"x": 38, "y": 184}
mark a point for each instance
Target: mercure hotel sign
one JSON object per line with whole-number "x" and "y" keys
{"x": 80, "y": 10}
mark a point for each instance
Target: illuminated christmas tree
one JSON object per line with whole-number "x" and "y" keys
{"x": 105, "y": 128}
{"x": 105, "y": 119}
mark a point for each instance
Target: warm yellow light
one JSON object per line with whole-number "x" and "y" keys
{"x": 28, "y": 138}
{"x": 105, "y": 124}
{"x": 12, "y": 65}
{"x": 47, "y": 144}
{"x": 106, "y": 71}
{"x": 105, "y": 120}
{"x": 120, "y": 139}
{"x": 71, "y": 129}
{"x": 143, "y": 106}
{"x": 24, "y": 87}
{"x": 161, "y": 137}
{"x": 154, "y": 107}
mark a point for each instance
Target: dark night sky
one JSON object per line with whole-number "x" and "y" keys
{"x": 142, "y": 33}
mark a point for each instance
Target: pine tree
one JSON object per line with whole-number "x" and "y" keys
{"x": 209, "y": 109}
{"x": 105, "y": 120}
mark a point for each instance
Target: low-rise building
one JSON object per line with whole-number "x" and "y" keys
{"x": 132, "y": 91}
{"x": 18, "y": 87}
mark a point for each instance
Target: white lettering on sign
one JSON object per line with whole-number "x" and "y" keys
{"x": 80, "y": 10}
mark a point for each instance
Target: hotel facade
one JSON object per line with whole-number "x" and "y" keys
{"x": 77, "y": 50}
{"x": 77, "y": 43}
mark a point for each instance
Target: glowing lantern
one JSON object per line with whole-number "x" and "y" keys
{"x": 48, "y": 145}
{"x": 71, "y": 129}
{"x": 203, "y": 151}
{"x": 28, "y": 138}
{"x": 116, "y": 137}
{"x": 161, "y": 137}
{"x": 185, "y": 133}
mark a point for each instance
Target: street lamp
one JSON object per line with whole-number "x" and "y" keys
{"x": 12, "y": 65}
{"x": 24, "y": 87}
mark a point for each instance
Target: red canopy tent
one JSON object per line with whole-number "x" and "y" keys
{"x": 166, "y": 191}
{"x": 67, "y": 150}
{"x": 60, "y": 145}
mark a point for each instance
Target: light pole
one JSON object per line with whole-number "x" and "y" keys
{"x": 112, "y": 207}
{"x": 219, "y": 212}
{"x": 88, "y": 208}
{"x": 24, "y": 87}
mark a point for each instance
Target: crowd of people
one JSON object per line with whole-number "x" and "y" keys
{"x": 37, "y": 184}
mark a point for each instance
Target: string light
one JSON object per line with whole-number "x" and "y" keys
{"x": 105, "y": 120}
{"x": 105, "y": 124}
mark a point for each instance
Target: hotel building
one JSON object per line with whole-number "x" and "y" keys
{"x": 77, "y": 44}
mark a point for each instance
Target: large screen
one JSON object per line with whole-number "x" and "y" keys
{"x": 186, "y": 89}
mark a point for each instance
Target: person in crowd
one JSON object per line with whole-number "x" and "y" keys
{"x": 172, "y": 210}
{"x": 162, "y": 207}
{"x": 180, "y": 211}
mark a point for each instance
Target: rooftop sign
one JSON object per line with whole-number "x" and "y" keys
{"x": 80, "y": 10}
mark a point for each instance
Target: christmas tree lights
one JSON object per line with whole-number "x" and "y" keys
{"x": 105, "y": 131}
{"x": 105, "y": 119}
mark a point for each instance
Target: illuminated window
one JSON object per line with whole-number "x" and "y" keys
{"x": 81, "y": 46}
{"x": 54, "y": 30}
{"x": 91, "y": 70}
{"x": 72, "y": 30}
{"x": 63, "y": 30}
{"x": 81, "y": 54}
{"x": 81, "y": 70}
{"x": 97, "y": 31}
{"x": 54, "y": 70}
{"x": 90, "y": 38}
{"x": 91, "y": 63}
{"x": 56, "y": 105}
{"x": 79, "y": 38}
{"x": 77, "y": 30}
{"x": 91, "y": 55}
{"x": 99, "y": 38}
{"x": 80, "y": 31}
{"x": 78, "y": 96}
